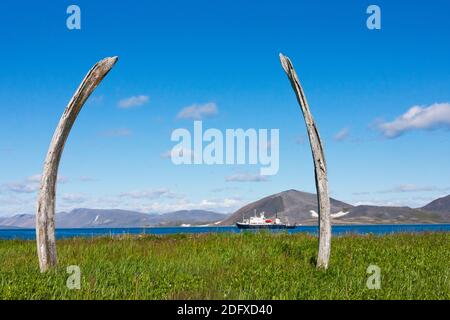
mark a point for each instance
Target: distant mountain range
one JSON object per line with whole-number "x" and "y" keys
{"x": 290, "y": 206}
{"x": 98, "y": 218}
{"x": 9, "y": 227}
{"x": 294, "y": 206}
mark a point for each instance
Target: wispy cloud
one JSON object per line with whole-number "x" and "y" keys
{"x": 405, "y": 188}
{"x": 198, "y": 111}
{"x": 162, "y": 200}
{"x": 342, "y": 134}
{"x": 12, "y": 204}
{"x": 246, "y": 177}
{"x": 412, "y": 188}
{"x": 86, "y": 179}
{"x": 94, "y": 100}
{"x": 411, "y": 201}
{"x": 74, "y": 198}
{"x": 229, "y": 204}
{"x": 418, "y": 118}
{"x": 122, "y": 132}
{"x": 150, "y": 194}
{"x": 178, "y": 152}
{"x": 223, "y": 189}
{"x": 28, "y": 185}
{"x": 152, "y": 200}
{"x": 361, "y": 193}
{"x": 22, "y": 187}
{"x": 133, "y": 101}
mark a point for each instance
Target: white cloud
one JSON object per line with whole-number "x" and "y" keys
{"x": 29, "y": 185}
{"x": 154, "y": 201}
{"x": 73, "y": 198}
{"x": 149, "y": 194}
{"x": 147, "y": 201}
{"x": 12, "y": 204}
{"x": 418, "y": 118}
{"x": 342, "y": 134}
{"x": 361, "y": 193}
{"x": 246, "y": 177}
{"x": 412, "y": 188}
{"x": 198, "y": 111}
{"x": 22, "y": 187}
{"x": 404, "y": 188}
{"x": 412, "y": 202}
{"x": 34, "y": 178}
{"x": 134, "y": 101}
{"x": 218, "y": 205}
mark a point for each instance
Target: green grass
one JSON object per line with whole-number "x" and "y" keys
{"x": 231, "y": 266}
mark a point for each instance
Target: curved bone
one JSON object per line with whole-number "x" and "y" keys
{"x": 320, "y": 166}
{"x": 45, "y": 214}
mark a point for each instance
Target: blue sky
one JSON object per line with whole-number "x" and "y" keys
{"x": 176, "y": 54}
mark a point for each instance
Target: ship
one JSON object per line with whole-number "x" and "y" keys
{"x": 262, "y": 222}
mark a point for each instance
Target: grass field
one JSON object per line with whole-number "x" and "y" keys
{"x": 231, "y": 266}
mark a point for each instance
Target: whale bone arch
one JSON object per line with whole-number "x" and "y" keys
{"x": 45, "y": 211}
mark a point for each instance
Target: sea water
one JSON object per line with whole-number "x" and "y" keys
{"x": 30, "y": 234}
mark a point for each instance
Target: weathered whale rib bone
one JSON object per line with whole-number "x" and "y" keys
{"x": 45, "y": 213}
{"x": 320, "y": 167}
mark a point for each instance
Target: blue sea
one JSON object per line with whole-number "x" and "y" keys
{"x": 30, "y": 234}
